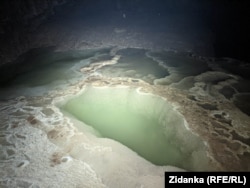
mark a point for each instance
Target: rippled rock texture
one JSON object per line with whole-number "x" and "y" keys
{"x": 42, "y": 145}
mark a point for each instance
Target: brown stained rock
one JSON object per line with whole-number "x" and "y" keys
{"x": 219, "y": 125}
{"x": 53, "y": 134}
{"x": 57, "y": 134}
{"x": 32, "y": 120}
{"x": 14, "y": 125}
{"x": 208, "y": 106}
{"x": 225, "y": 158}
{"x": 240, "y": 138}
{"x": 56, "y": 159}
{"x": 234, "y": 146}
{"x": 222, "y": 132}
{"x": 245, "y": 158}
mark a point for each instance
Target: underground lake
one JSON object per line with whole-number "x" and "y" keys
{"x": 147, "y": 124}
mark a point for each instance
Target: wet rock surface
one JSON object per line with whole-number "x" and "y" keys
{"x": 43, "y": 147}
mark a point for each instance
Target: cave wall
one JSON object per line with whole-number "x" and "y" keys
{"x": 228, "y": 20}
{"x": 19, "y": 20}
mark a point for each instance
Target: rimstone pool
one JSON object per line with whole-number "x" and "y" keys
{"x": 92, "y": 118}
{"x": 145, "y": 123}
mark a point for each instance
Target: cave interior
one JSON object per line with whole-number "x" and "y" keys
{"x": 113, "y": 93}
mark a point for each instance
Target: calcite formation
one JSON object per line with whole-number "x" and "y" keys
{"x": 43, "y": 147}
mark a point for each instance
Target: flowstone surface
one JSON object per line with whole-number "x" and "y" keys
{"x": 56, "y": 129}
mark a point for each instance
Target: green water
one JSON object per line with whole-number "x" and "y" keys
{"x": 138, "y": 122}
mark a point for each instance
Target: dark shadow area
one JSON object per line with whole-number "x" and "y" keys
{"x": 207, "y": 28}
{"x": 38, "y": 62}
{"x": 231, "y": 24}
